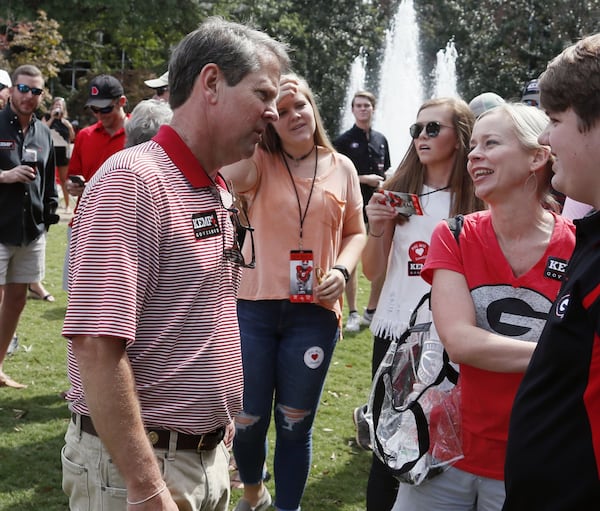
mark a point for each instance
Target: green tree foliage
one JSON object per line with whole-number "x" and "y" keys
{"x": 501, "y": 44}
{"x": 325, "y": 36}
{"x": 38, "y": 43}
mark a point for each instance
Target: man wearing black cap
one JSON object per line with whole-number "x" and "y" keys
{"x": 94, "y": 144}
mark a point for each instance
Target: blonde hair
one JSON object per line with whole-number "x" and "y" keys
{"x": 63, "y": 105}
{"x": 528, "y": 123}
{"x": 271, "y": 141}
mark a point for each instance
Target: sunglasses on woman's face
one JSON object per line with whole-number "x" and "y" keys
{"x": 432, "y": 129}
{"x": 24, "y": 89}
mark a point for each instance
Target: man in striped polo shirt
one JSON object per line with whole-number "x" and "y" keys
{"x": 153, "y": 342}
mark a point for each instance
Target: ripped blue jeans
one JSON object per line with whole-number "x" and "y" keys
{"x": 286, "y": 351}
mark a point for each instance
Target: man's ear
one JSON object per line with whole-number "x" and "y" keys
{"x": 540, "y": 158}
{"x": 209, "y": 81}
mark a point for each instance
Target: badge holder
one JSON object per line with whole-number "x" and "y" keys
{"x": 302, "y": 276}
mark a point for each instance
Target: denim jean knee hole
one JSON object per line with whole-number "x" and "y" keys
{"x": 292, "y": 416}
{"x": 244, "y": 421}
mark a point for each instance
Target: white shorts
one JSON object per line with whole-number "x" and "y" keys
{"x": 23, "y": 264}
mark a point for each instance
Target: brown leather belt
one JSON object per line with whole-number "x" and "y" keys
{"x": 160, "y": 438}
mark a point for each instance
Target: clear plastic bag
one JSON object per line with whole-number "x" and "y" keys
{"x": 416, "y": 430}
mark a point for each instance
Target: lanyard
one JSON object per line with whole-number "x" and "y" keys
{"x": 312, "y": 186}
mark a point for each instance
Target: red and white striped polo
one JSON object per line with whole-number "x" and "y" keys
{"x": 147, "y": 266}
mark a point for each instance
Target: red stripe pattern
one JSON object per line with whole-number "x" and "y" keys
{"x": 139, "y": 273}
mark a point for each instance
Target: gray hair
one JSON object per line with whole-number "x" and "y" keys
{"x": 236, "y": 49}
{"x": 146, "y": 118}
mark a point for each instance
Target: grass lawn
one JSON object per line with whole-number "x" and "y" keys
{"x": 33, "y": 420}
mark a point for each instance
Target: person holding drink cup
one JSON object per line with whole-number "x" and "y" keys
{"x": 28, "y": 200}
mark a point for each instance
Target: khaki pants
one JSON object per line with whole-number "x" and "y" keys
{"x": 197, "y": 481}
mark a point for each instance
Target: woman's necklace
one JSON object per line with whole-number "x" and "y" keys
{"x": 312, "y": 187}
{"x": 433, "y": 191}
{"x": 299, "y": 158}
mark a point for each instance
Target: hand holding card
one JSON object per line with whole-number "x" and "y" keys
{"x": 406, "y": 204}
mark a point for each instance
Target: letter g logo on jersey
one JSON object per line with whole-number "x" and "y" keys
{"x": 562, "y": 304}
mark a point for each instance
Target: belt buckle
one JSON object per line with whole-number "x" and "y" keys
{"x": 153, "y": 437}
{"x": 200, "y": 442}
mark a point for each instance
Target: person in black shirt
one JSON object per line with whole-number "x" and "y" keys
{"x": 368, "y": 149}
{"x": 553, "y": 453}
{"x": 28, "y": 200}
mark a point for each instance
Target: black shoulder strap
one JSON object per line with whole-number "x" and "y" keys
{"x": 456, "y": 224}
{"x": 413, "y": 317}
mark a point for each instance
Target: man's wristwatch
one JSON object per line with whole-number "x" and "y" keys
{"x": 343, "y": 270}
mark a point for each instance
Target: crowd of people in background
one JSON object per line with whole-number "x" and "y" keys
{"x": 180, "y": 194}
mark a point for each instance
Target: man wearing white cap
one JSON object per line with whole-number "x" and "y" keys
{"x": 5, "y": 84}
{"x": 160, "y": 86}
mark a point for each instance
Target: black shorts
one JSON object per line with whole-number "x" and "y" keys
{"x": 60, "y": 156}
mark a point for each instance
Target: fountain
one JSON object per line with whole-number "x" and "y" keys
{"x": 401, "y": 90}
{"x": 445, "y": 72}
{"x": 400, "y": 85}
{"x": 355, "y": 83}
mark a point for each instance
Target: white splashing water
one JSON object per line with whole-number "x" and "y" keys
{"x": 400, "y": 85}
{"x": 445, "y": 72}
{"x": 358, "y": 75}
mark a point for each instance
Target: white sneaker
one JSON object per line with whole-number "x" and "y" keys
{"x": 367, "y": 317}
{"x": 363, "y": 432}
{"x": 353, "y": 323}
{"x": 13, "y": 346}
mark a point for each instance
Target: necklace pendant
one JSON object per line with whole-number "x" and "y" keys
{"x": 299, "y": 158}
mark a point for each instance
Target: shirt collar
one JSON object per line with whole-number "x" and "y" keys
{"x": 14, "y": 118}
{"x": 184, "y": 160}
{"x": 358, "y": 128}
{"x": 98, "y": 126}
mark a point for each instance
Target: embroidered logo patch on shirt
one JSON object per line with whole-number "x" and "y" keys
{"x": 562, "y": 304}
{"x": 206, "y": 224}
{"x": 7, "y": 145}
{"x": 555, "y": 268}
